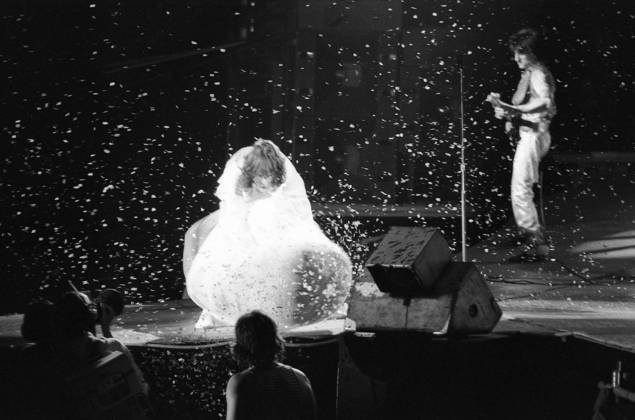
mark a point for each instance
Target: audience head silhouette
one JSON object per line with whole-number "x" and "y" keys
{"x": 37, "y": 324}
{"x": 257, "y": 340}
{"x": 76, "y": 315}
{"x": 267, "y": 389}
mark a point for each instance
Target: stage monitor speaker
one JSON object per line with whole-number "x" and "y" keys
{"x": 409, "y": 260}
{"x": 460, "y": 303}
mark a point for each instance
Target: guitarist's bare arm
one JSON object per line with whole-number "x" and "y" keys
{"x": 535, "y": 104}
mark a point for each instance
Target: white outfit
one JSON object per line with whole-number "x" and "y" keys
{"x": 267, "y": 253}
{"x": 531, "y": 148}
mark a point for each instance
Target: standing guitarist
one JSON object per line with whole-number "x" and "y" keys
{"x": 532, "y": 107}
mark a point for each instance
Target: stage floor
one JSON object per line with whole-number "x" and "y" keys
{"x": 587, "y": 289}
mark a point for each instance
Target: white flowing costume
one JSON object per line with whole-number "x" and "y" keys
{"x": 267, "y": 253}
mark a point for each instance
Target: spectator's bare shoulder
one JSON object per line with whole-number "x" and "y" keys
{"x": 115, "y": 343}
{"x": 234, "y": 383}
{"x": 111, "y": 344}
{"x": 302, "y": 376}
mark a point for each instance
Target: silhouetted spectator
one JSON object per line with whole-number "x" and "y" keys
{"x": 268, "y": 389}
{"x": 37, "y": 375}
{"x": 66, "y": 372}
{"x": 37, "y": 323}
{"x": 101, "y": 379}
{"x": 76, "y": 317}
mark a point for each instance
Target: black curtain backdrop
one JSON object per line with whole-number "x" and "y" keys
{"x": 104, "y": 169}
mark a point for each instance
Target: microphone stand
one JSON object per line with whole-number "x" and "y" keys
{"x": 459, "y": 63}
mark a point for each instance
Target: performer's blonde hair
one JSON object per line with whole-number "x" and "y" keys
{"x": 264, "y": 160}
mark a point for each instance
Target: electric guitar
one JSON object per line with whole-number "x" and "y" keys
{"x": 501, "y": 112}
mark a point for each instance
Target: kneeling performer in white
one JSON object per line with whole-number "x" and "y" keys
{"x": 262, "y": 250}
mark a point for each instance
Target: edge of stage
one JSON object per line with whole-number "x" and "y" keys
{"x": 566, "y": 296}
{"x": 585, "y": 290}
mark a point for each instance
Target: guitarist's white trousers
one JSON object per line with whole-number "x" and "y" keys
{"x": 532, "y": 147}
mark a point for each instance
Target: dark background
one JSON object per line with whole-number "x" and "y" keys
{"x": 117, "y": 117}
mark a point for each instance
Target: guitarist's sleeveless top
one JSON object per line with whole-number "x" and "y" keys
{"x": 541, "y": 84}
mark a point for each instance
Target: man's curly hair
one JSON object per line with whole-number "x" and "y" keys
{"x": 257, "y": 340}
{"x": 523, "y": 41}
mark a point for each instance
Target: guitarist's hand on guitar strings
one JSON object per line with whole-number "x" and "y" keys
{"x": 505, "y": 111}
{"x": 500, "y": 113}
